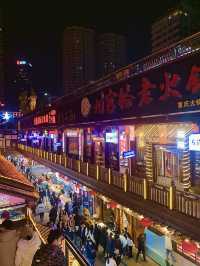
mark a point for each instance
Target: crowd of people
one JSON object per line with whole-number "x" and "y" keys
{"x": 21, "y": 246}
{"x": 69, "y": 220}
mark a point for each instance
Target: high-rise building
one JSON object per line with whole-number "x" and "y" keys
{"x": 2, "y": 69}
{"x": 170, "y": 29}
{"x": 111, "y": 53}
{"x": 78, "y": 57}
{"x": 23, "y": 80}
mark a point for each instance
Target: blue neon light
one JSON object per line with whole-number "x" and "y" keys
{"x": 128, "y": 154}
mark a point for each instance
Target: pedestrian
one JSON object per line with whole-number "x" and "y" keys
{"x": 53, "y": 214}
{"x": 118, "y": 249}
{"x": 110, "y": 261}
{"x": 169, "y": 249}
{"x": 50, "y": 254}
{"x": 65, "y": 218}
{"x": 27, "y": 247}
{"x": 40, "y": 210}
{"x": 71, "y": 221}
{"x": 83, "y": 233}
{"x": 96, "y": 235}
{"x": 67, "y": 208}
{"x": 141, "y": 247}
{"x": 77, "y": 237}
{"x": 8, "y": 243}
{"x": 53, "y": 226}
{"x": 123, "y": 240}
{"x": 129, "y": 246}
{"x": 103, "y": 239}
{"x": 90, "y": 251}
{"x": 110, "y": 245}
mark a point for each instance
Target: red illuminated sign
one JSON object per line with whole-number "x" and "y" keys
{"x": 49, "y": 118}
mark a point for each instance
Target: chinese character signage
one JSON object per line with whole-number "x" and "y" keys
{"x": 171, "y": 88}
{"x": 49, "y": 118}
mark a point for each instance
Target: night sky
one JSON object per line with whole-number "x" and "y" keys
{"x": 34, "y": 31}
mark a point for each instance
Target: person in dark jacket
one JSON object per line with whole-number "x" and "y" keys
{"x": 110, "y": 245}
{"x": 90, "y": 251}
{"x": 96, "y": 235}
{"x": 50, "y": 254}
{"x": 141, "y": 247}
{"x": 103, "y": 239}
{"x": 53, "y": 215}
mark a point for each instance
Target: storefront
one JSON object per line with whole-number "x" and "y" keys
{"x": 162, "y": 150}
{"x": 127, "y": 149}
{"x": 73, "y": 143}
{"x": 94, "y": 146}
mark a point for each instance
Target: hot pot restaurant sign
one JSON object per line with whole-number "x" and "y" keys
{"x": 171, "y": 88}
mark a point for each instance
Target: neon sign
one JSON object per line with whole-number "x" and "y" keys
{"x": 112, "y": 137}
{"x": 49, "y": 118}
{"x": 7, "y": 115}
{"x": 21, "y": 62}
{"x": 128, "y": 154}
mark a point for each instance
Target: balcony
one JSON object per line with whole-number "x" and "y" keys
{"x": 180, "y": 210}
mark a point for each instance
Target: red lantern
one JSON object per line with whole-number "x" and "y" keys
{"x": 112, "y": 205}
{"x": 146, "y": 222}
{"x": 92, "y": 193}
{"x": 189, "y": 247}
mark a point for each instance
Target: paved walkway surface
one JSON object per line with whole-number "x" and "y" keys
{"x": 100, "y": 261}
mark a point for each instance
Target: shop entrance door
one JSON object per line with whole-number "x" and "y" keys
{"x": 166, "y": 164}
{"x": 112, "y": 156}
{"x": 98, "y": 151}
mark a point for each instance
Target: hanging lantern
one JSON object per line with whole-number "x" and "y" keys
{"x": 111, "y": 205}
{"x": 146, "y": 222}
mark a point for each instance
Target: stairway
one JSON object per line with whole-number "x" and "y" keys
{"x": 44, "y": 231}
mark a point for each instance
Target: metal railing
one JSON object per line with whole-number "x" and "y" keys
{"x": 92, "y": 170}
{"x": 104, "y": 175}
{"x": 188, "y": 204}
{"x": 159, "y": 194}
{"x": 136, "y": 185}
{"x": 169, "y": 197}
{"x": 117, "y": 179}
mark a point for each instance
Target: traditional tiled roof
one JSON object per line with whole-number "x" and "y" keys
{"x": 14, "y": 181}
{"x": 9, "y": 170}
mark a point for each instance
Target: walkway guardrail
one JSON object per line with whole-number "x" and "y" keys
{"x": 169, "y": 197}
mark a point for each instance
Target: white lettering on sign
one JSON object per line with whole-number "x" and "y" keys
{"x": 194, "y": 142}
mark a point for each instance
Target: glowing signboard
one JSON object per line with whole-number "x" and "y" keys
{"x": 49, "y": 118}
{"x": 112, "y": 137}
{"x": 128, "y": 154}
{"x": 194, "y": 142}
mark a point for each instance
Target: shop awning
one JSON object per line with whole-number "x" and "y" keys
{"x": 13, "y": 182}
